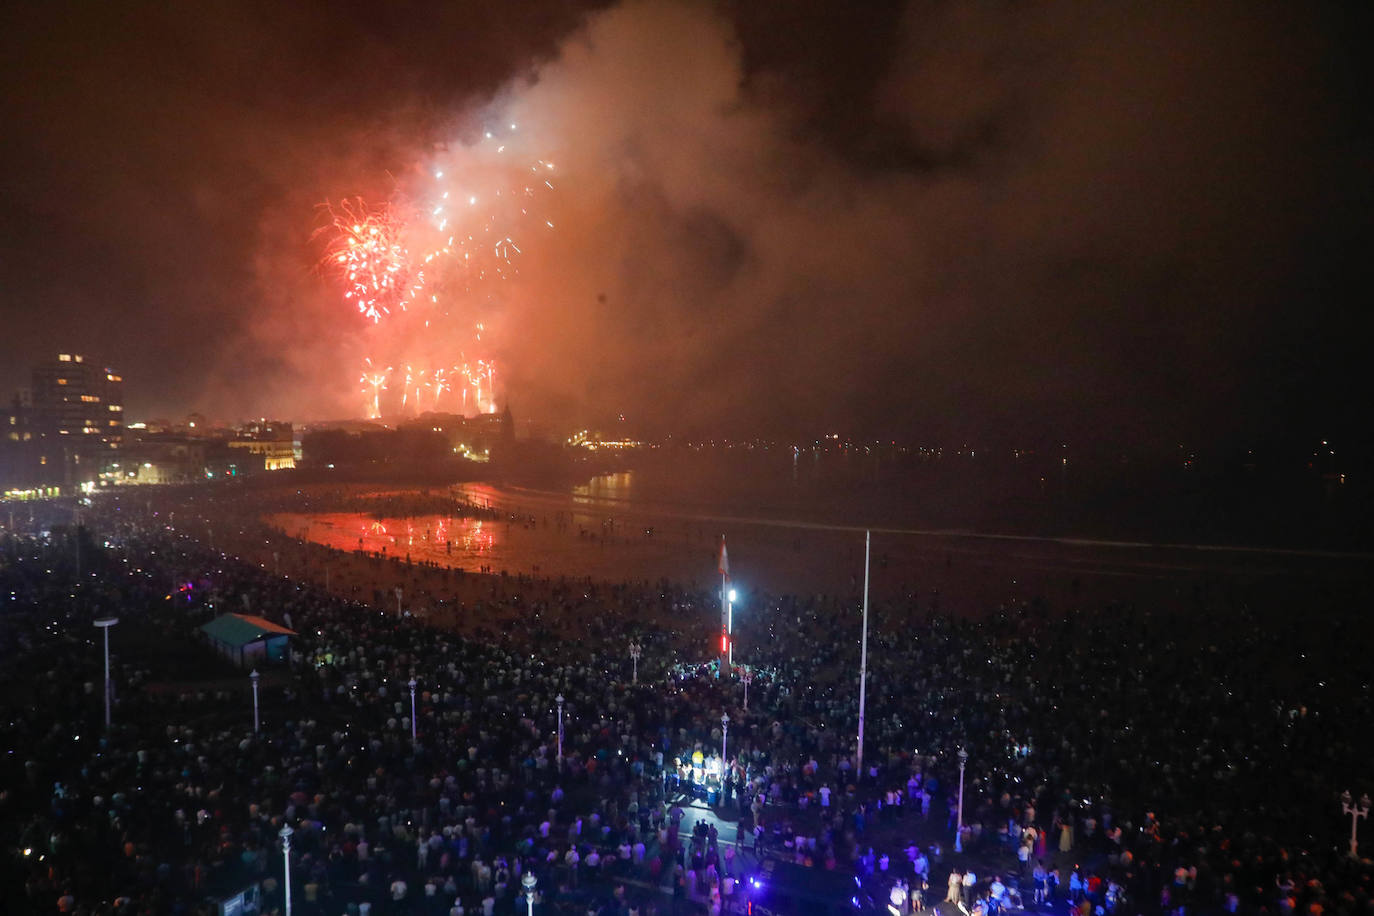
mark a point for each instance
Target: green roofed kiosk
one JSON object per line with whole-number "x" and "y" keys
{"x": 247, "y": 640}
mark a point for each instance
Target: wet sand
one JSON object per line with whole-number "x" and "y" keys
{"x": 548, "y": 535}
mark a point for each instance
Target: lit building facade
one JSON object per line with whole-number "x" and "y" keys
{"x": 80, "y": 400}
{"x": 66, "y": 430}
{"x": 272, "y": 441}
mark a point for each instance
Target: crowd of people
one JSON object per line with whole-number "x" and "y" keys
{"x": 393, "y": 504}
{"x": 1117, "y": 759}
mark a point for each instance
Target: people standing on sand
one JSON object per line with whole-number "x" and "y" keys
{"x": 997, "y": 895}
{"x": 956, "y": 886}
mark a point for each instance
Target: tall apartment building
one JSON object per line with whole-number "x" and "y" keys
{"x": 75, "y": 414}
{"x": 80, "y": 400}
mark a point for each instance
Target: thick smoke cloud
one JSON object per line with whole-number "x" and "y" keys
{"x": 1080, "y": 224}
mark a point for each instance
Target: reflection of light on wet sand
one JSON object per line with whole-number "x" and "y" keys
{"x": 598, "y": 532}
{"x": 442, "y": 540}
{"x": 528, "y": 544}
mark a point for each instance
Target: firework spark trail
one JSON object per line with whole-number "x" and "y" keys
{"x": 475, "y": 217}
{"x": 415, "y": 380}
{"x": 480, "y": 380}
{"x": 377, "y": 382}
{"x": 441, "y": 384}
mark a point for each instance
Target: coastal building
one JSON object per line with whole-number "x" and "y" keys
{"x": 161, "y": 459}
{"x": 270, "y": 442}
{"x": 81, "y": 401}
{"x": 473, "y": 438}
{"x": 24, "y": 470}
{"x": 66, "y": 430}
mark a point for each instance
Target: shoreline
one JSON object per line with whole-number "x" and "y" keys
{"x": 966, "y": 573}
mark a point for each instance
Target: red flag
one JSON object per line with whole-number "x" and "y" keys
{"x": 723, "y": 567}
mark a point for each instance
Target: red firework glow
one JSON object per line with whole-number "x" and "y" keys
{"x": 454, "y": 239}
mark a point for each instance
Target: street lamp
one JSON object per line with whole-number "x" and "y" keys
{"x": 1356, "y": 812}
{"x": 635, "y": 651}
{"x": 105, "y": 623}
{"x": 529, "y": 881}
{"x": 412, "y": 710}
{"x": 959, "y": 827}
{"x": 254, "y": 678}
{"x": 559, "y": 701}
{"x": 747, "y": 677}
{"x": 724, "y": 736}
{"x": 285, "y": 835}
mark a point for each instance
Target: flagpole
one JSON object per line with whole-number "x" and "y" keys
{"x": 863, "y": 658}
{"x": 724, "y": 617}
{"x": 724, "y": 569}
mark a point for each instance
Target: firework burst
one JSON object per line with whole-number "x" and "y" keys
{"x": 434, "y": 257}
{"x": 367, "y": 253}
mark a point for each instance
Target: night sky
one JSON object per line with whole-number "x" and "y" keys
{"x": 980, "y": 220}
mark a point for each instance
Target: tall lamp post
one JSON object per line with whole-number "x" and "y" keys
{"x": 730, "y": 624}
{"x": 747, "y": 677}
{"x": 724, "y": 764}
{"x": 528, "y": 882}
{"x": 863, "y": 662}
{"x": 412, "y": 711}
{"x": 105, "y": 623}
{"x": 959, "y": 826}
{"x": 559, "y": 701}
{"x": 1356, "y": 812}
{"x": 285, "y": 835}
{"x": 254, "y": 678}
{"x": 635, "y": 651}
